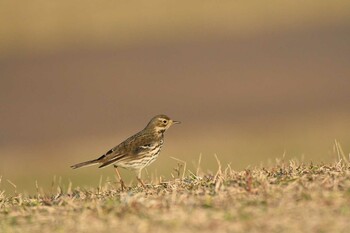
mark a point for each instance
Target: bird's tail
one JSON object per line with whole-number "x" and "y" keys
{"x": 85, "y": 164}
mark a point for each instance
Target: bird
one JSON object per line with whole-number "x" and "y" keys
{"x": 137, "y": 151}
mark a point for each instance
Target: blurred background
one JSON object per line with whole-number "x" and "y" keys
{"x": 251, "y": 81}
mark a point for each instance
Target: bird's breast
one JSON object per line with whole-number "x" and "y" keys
{"x": 156, "y": 149}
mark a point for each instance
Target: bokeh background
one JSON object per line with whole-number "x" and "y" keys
{"x": 250, "y": 80}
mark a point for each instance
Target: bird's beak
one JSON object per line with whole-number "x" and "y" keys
{"x": 176, "y": 122}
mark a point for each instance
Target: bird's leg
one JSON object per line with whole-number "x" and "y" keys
{"x": 139, "y": 179}
{"x": 120, "y": 178}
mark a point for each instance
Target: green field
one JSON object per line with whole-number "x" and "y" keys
{"x": 288, "y": 196}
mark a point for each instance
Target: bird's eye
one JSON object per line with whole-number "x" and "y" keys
{"x": 165, "y": 121}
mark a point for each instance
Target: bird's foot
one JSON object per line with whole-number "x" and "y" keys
{"x": 122, "y": 185}
{"x": 142, "y": 184}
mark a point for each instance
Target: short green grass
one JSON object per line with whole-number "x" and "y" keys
{"x": 288, "y": 196}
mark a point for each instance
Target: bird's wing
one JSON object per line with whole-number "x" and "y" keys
{"x": 136, "y": 145}
{"x": 113, "y": 155}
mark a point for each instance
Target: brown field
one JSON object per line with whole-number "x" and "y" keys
{"x": 250, "y": 81}
{"x": 288, "y": 196}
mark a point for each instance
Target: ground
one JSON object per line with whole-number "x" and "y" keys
{"x": 288, "y": 196}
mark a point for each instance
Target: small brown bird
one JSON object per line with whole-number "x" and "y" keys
{"x": 136, "y": 152}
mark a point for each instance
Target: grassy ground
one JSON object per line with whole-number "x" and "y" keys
{"x": 288, "y": 196}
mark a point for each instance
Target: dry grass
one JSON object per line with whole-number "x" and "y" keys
{"x": 286, "y": 197}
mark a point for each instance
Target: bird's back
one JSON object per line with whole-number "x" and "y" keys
{"x": 143, "y": 145}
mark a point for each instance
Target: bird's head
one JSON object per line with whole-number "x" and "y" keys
{"x": 161, "y": 123}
